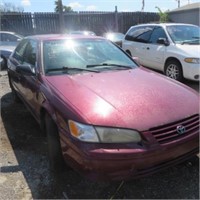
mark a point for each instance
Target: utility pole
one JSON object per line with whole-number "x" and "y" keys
{"x": 61, "y": 17}
{"x": 116, "y": 20}
{"x": 178, "y": 3}
{"x": 143, "y": 4}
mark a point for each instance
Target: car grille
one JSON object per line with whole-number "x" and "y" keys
{"x": 166, "y": 133}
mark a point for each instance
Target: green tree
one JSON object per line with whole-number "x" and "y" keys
{"x": 163, "y": 15}
{"x": 65, "y": 8}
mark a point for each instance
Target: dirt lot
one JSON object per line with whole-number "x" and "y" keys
{"x": 24, "y": 172}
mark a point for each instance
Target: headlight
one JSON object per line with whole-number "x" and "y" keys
{"x": 112, "y": 135}
{"x": 89, "y": 133}
{"x": 192, "y": 60}
{"x": 83, "y": 132}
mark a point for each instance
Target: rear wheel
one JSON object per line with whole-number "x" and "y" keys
{"x": 173, "y": 69}
{"x": 54, "y": 148}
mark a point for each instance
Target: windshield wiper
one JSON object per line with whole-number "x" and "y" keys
{"x": 190, "y": 41}
{"x": 110, "y": 65}
{"x": 70, "y": 68}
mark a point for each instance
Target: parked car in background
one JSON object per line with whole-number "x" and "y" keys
{"x": 106, "y": 116}
{"x": 82, "y": 33}
{"x": 8, "y": 42}
{"x": 171, "y": 48}
{"x": 115, "y": 37}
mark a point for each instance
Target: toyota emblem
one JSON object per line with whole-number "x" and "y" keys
{"x": 180, "y": 129}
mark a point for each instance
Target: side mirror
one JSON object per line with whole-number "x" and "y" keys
{"x": 163, "y": 41}
{"x": 25, "y": 69}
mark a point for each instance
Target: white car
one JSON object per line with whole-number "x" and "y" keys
{"x": 8, "y": 42}
{"x": 171, "y": 48}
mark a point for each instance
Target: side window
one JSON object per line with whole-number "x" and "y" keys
{"x": 157, "y": 33}
{"x": 30, "y": 53}
{"x": 140, "y": 34}
{"x": 8, "y": 37}
{"x": 4, "y": 37}
{"x": 19, "y": 51}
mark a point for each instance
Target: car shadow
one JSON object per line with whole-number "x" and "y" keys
{"x": 29, "y": 147}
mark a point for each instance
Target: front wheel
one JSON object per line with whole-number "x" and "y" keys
{"x": 54, "y": 148}
{"x": 173, "y": 69}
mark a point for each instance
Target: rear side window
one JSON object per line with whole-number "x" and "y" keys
{"x": 30, "y": 52}
{"x": 19, "y": 51}
{"x": 6, "y": 37}
{"x": 157, "y": 33}
{"x": 139, "y": 34}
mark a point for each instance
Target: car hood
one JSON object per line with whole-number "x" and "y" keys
{"x": 190, "y": 50}
{"x": 136, "y": 99}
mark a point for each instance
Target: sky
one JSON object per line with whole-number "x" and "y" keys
{"x": 99, "y": 5}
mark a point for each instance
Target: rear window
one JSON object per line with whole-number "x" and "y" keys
{"x": 139, "y": 34}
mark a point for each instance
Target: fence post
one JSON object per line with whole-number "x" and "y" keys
{"x": 61, "y": 17}
{"x": 116, "y": 20}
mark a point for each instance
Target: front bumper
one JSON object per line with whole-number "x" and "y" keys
{"x": 191, "y": 71}
{"x": 123, "y": 164}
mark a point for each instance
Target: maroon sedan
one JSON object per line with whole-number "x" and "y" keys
{"x": 106, "y": 116}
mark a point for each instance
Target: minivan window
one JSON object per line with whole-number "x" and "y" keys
{"x": 181, "y": 34}
{"x": 158, "y": 32}
{"x": 140, "y": 34}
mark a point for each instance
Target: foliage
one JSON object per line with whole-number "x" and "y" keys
{"x": 163, "y": 15}
{"x": 65, "y": 8}
{"x": 10, "y": 7}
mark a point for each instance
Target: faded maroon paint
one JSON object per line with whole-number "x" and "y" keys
{"x": 136, "y": 99}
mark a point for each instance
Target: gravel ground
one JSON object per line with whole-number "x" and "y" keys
{"x": 24, "y": 171}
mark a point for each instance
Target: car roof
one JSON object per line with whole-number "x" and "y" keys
{"x": 9, "y": 32}
{"x": 46, "y": 37}
{"x": 164, "y": 24}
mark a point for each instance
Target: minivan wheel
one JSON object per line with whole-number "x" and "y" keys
{"x": 56, "y": 160}
{"x": 173, "y": 70}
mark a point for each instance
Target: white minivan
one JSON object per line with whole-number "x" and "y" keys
{"x": 171, "y": 48}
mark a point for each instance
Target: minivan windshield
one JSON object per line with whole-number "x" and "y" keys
{"x": 84, "y": 55}
{"x": 184, "y": 34}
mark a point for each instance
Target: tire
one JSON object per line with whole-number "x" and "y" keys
{"x": 3, "y": 63}
{"x": 56, "y": 160}
{"x": 173, "y": 69}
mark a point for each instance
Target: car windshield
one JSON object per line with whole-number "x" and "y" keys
{"x": 84, "y": 55}
{"x": 184, "y": 34}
